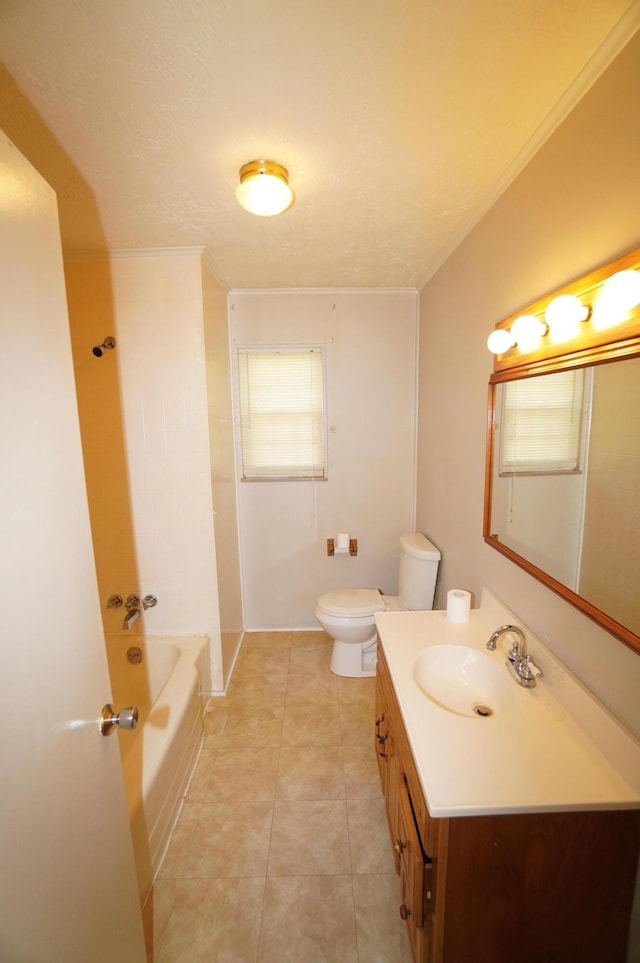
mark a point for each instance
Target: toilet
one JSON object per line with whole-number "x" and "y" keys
{"x": 347, "y": 615}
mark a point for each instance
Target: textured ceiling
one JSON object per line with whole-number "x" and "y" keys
{"x": 397, "y": 121}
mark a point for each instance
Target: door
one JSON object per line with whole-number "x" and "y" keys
{"x": 68, "y": 888}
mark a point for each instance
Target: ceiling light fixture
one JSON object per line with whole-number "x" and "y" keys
{"x": 264, "y": 188}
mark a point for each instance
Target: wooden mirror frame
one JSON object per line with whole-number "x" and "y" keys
{"x": 591, "y": 347}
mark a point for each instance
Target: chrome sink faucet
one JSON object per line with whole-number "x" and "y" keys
{"x": 520, "y": 665}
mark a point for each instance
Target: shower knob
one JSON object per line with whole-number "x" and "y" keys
{"x": 126, "y": 719}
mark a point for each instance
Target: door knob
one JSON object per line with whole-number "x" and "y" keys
{"x": 109, "y": 719}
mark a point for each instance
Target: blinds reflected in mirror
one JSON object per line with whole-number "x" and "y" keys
{"x": 541, "y": 424}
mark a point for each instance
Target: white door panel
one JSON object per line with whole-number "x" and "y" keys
{"x": 68, "y": 889}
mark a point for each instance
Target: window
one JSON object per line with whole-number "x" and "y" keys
{"x": 541, "y": 424}
{"x": 281, "y": 413}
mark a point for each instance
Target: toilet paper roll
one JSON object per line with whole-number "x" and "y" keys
{"x": 458, "y": 605}
{"x": 342, "y": 541}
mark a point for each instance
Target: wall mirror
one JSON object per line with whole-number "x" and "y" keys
{"x": 562, "y": 486}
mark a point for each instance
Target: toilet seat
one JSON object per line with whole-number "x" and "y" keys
{"x": 351, "y": 603}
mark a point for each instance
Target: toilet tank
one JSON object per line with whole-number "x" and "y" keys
{"x": 419, "y": 561}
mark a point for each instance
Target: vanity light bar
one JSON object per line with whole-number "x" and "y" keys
{"x": 562, "y": 318}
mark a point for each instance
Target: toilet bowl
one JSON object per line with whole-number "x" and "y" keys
{"x": 347, "y": 615}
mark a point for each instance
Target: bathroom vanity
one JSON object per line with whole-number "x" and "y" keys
{"x": 516, "y": 831}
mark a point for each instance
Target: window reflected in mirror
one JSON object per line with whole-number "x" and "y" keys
{"x": 566, "y": 481}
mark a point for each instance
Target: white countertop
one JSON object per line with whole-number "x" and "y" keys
{"x": 554, "y": 748}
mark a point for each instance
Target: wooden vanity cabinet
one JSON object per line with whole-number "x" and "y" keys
{"x": 534, "y": 887}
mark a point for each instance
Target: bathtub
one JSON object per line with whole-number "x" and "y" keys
{"x": 159, "y": 756}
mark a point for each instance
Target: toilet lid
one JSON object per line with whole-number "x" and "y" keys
{"x": 351, "y": 602}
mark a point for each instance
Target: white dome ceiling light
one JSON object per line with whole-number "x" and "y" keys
{"x": 264, "y": 188}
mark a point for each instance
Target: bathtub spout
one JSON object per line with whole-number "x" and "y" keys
{"x": 131, "y": 617}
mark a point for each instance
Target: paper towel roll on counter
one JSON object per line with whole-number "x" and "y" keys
{"x": 458, "y": 605}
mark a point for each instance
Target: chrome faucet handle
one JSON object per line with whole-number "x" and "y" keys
{"x": 535, "y": 670}
{"x": 132, "y": 602}
{"x": 149, "y": 601}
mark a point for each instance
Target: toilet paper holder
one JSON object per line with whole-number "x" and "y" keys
{"x": 351, "y": 550}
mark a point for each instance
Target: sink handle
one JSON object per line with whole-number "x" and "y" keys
{"x": 536, "y": 670}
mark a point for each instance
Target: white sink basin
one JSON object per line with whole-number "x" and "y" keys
{"x": 463, "y": 680}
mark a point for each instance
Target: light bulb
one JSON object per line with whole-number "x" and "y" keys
{"x": 527, "y": 330}
{"x": 500, "y": 341}
{"x": 618, "y": 295}
{"x": 564, "y": 315}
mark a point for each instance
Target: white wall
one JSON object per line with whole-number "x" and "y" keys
{"x": 146, "y": 436}
{"x": 370, "y": 340}
{"x": 222, "y": 463}
{"x": 540, "y": 516}
{"x": 574, "y": 206}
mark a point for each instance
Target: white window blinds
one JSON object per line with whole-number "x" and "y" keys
{"x": 541, "y": 423}
{"x": 281, "y": 396}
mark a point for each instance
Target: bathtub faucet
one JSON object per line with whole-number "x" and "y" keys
{"x": 133, "y": 612}
{"x": 130, "y": 618}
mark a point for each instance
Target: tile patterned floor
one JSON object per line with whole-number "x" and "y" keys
{"x": 281, "y": 852}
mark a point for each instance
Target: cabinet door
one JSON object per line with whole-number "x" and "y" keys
{"x": 388, "y": 766}
{"x": 380, "y": 736}
{"x": 412, "y": 873}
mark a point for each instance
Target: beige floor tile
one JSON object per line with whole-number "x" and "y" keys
{"x": 311, "y": 640}
{"x": 249, "y": 727}
{"x": 231, "y": 839}
{"x": 313, "y": 659}
{"x": 356, "y": 724}
{"x": 382, "y": 934}
{"x": 313, "y": 687}
{"x": 177, "y": 851}
{"x": 215, "y": 719}
{"x": 257, "y": 692}
{"x": 309, "y": 839}
{"x": 369, "y": 837}
{"x": 268, "y": 663}
{"x": 357, "y": 691}
{"x": 361, "y": 776}
{"x": 310, "y": 774}
{"x": 286, "y": 788}
{"x": 214, "y": 920}
{"x": 308, "y": 918}
{"x": 197, "y": 789}
{"x": 243, "y": 775}
{"x": 311, "y": 726}
{"x": 266, "y": 640}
